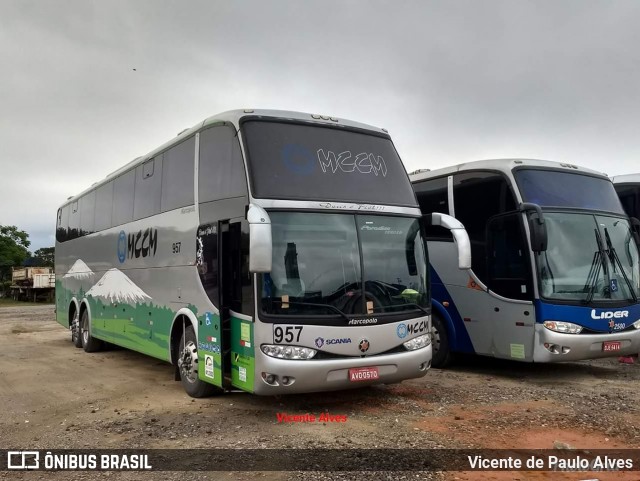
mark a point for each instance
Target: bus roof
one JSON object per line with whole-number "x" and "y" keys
{"x": 232, "y": 117}
{"x": 626, "y": 179}
{"x": 501, "y": 165}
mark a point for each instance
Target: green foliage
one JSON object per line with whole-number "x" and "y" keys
{"x": 44, "y": 256}
{"x": 14, "y": 245}
{"x": 4, "y": 288}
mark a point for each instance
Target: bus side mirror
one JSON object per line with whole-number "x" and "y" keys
{"x": 260, "y": 243}
{"x": 537, "y": 226}
{"x": 459, "y": 233}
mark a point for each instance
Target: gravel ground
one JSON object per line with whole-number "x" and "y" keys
{"x": 56, "y": 396}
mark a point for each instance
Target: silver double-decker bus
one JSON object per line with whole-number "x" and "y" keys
{"x": 554, "y": 262}
{"x": 268, "y": 251}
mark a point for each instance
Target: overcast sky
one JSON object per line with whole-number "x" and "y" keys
{"x": 452, "y": 81}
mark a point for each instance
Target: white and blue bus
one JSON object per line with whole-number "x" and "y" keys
{"x": 554, "y": 273}
{"x": 268, "y": 251}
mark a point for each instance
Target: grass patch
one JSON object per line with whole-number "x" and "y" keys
{"x": 4, "y": 302}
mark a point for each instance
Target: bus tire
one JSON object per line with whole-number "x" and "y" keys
{"x": 76, "y": 338}
{"x": 89, "y": 343}
{"x": 188, "y": 366}
{"x": 442, "y": 356}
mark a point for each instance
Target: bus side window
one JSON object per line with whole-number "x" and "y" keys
{"x": 104, "y": 206}
{"x": 207, "y": 260}
{"x": 221, "y": 169}
{"x": 478, "y": 196}
{"x": 177, "y": 176}
{"x": 148, "y": 188}
{"x": 432, "y": 197}
{"x": 87, "y": 208}
{"x": 74, "y": 221}
{"x": 63, "y": 224}
{"x": 123, "y": 188}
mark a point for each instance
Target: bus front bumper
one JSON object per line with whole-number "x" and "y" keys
{"x": 577, "y": 347}
{"x": 317, "y": 375}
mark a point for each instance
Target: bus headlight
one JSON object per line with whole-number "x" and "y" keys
{"x": 636, "y": 324}
{"x": 288, "y": 352}
{"x": 563, "y": 327}
{"x": 417, "y": 342}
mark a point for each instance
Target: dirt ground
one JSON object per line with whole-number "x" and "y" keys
{"x": 54, "y": 396}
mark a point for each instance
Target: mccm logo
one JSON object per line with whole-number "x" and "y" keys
{"x": 401, "y": 330}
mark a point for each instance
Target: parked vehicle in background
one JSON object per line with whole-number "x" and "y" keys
{"x": 273, "y": 252}
{"x": 555, "y": 273}
{"x": 628, "y": 189}
{"x": 32, "y": 283}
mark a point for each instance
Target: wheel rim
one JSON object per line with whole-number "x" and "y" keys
{"x": 85, "y": 333}
{"x": 188, "y": 362}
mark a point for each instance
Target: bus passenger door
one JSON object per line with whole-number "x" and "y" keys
{"x": 509, "y": 276}
{"x": 235, "y": 304}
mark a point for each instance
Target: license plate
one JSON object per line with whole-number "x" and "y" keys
{"x": 359, "y": 374}
{"x": 610, "y": 346}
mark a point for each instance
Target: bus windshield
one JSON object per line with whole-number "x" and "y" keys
{"x": 344, "y": 265}
{"x": 588, "y": 258}
{"x": 296, "y": 161}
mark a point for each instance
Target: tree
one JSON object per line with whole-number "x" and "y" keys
{"x": 14, "y": 245}
{"x": 44, "y": 256}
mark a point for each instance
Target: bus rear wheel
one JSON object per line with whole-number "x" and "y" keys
{"x": 188, "y": 366}
{"x": 440, "y": 342}
{"x": 89, "y": 343}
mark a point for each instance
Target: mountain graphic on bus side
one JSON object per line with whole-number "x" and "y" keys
{"x": 116, "y": 287}
{"x": 79, "y": 270}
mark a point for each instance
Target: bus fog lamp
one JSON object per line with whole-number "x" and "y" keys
{"x": 418, "y": 342}
{"x": 288, "y": 352}
{"x": 563, "y": 327}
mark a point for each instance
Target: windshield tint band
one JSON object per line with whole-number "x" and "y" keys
{"x": 555, "y": 188}
{"x": 299, "y": 161}
{"x": 345, "y": 266}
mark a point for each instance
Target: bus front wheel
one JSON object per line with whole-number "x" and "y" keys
{"x": 440, "y": 341}
{"x": 188, "y": 366}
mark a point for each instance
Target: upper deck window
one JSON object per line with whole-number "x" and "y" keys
{"x": 554, "y": 188}
{"x": 312, "y": 162}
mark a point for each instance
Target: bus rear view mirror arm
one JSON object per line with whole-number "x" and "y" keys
{"x": 537, "y": 226}
{"x": 260, "y": 243}
{"x": 459, "y": 233}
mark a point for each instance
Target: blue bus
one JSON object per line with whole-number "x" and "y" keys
{"x": 554, "y": 263}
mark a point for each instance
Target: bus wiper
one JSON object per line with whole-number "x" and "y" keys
{"x": 426, "y": 313}
{"x": 597, "y": 263}
{"x": 313, "y": 304}
{"x": 615, "y": 260}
